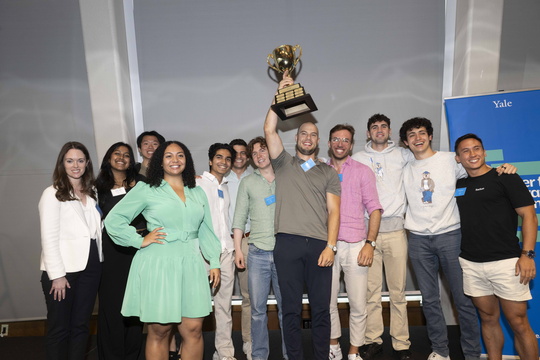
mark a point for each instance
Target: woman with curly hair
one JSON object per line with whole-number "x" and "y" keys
{"x": 118, "y": 337}
{"x": 167, "y": 282}
{"x": 71, "y": 252}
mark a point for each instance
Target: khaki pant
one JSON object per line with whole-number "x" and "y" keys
{"x": 355, "y": 277}
{"x": 391, "y": 251}
{"x": 223, "y": 307}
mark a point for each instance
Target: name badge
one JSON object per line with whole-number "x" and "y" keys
{"x": 340, "y": 177}
{"x": 118, "y": 192}
{"x": 220, "y": 193}
{"x": 460, "y": 192}
{"x": 270, "y": 200}
{"x": 308, "y": 165}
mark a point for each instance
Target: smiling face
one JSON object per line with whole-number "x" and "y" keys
{"x": 120, "y": 159}
{"x": 174, "y": 161}
{"x": 241, "y": 159}
{"x": 221, "y": 163}
{"x": 471, "y": 154}
{"x": 260, "y": 156}
{"x": 419, "y": 141}
{"x": 75, "y": 164}
{"x": 149, "y": 144}
{"x": 340, "y": 144}
{"x": 307, "y": 139}
{"x": 379, "y": 133}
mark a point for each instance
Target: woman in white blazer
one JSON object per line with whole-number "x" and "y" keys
{"x": 71, "y": 252}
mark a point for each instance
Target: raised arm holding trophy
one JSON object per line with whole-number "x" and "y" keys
{"x": 291, "y": 101}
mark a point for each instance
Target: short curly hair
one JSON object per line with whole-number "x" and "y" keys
{"x": 155, "y": 172}
{"x": 376, "y": 118}
{"x": 415, "y": 123}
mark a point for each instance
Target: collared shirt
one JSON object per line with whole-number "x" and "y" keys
{"x": 233, "y": 182}
{"x": 255, "y": 201}
{"x": 358, "y": 195}
{"x": 218, "y": 199}
{"x": 301, "y": 196}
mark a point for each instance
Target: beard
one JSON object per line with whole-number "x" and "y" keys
{"x": 306, "y": 151}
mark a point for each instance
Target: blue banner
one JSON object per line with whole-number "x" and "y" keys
{"x": 509, "y": 125}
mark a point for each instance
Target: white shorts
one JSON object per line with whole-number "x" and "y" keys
{"x": 494, "y": 278}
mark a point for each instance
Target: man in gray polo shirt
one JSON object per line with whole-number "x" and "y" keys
{"x": 306, "y": 225}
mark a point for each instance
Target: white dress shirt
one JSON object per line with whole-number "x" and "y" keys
{"x": 219, "y": 201}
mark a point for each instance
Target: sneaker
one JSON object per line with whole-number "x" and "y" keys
{"x": 335, "y": 353}
{"x": 371, "y": 350}
{"x": 435, "y": 356}
{"x": 404, "y": 354}
{"x": 354, "y": 357}
{"x": 246, "y": 348}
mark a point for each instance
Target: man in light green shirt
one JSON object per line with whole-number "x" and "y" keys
{"x": 256, "y": 199}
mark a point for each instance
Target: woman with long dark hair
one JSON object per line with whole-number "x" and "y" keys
{"x": 168, "y": 282}
{"x": 71, "y": 252}
{"x": 118, "y": 337}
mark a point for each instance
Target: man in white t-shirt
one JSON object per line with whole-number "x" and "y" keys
{"x": 435, "y": 236}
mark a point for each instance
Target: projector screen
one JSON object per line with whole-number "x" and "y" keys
{"x": 204, "y": 79}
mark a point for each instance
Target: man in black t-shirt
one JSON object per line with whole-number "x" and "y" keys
{"x": 496, "y": 271}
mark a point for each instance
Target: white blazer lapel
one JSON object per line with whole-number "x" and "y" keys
{"x": 78, "y": 207}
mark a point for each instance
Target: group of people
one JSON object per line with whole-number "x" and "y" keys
{"x": 172, "y": 241}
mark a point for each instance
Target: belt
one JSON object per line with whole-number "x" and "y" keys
{"x": 246, "y": 235}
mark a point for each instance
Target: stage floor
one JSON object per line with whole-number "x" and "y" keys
{"x": 15, "y": 348}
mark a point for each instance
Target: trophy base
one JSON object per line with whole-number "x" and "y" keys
{"x": 294, "y": 107}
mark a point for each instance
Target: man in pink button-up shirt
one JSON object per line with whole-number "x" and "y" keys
{"x": 355, "y": 243}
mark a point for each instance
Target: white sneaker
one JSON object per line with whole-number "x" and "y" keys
{"x": 335, "y": 354}
{"x": 354, "y": 357}
{"x": 247, "y": 349}
{"x": 435, "y": 356}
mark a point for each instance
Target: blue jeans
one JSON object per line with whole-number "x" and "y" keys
{"x": 262, "y": 273}
{"x": 427, "y": 254}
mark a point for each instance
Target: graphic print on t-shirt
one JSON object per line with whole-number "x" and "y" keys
{"x": 427, "y": 187}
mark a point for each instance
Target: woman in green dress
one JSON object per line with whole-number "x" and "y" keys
{"x": 168, "y": 282}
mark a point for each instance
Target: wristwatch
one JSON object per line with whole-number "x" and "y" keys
{"x": 333, "y": 247}
{"x": 372, "y": 243}
{"x": 530, "y": 253}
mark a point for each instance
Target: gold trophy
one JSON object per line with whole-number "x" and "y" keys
{"x": 292, "y": 100}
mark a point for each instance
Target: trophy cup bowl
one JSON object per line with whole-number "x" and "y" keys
{"x": 292, "y": 100}
{"x": 284, "y": 58}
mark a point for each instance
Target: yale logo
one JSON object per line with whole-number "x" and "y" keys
{"x": 502, "y": 104}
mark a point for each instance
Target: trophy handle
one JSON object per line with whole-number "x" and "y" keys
{"x": 299, "y": 55}
{"x": 271, "y": 56}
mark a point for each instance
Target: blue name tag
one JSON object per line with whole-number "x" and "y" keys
{"x": 340, "y": 177}
{"x": 460, "y": 192}
{"x": 270, "y": 200}
{"x": 308, "y": 165}
{"x": 220, "y": 193}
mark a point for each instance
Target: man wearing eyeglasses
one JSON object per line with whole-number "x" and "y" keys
{"x": 356, "y": 244}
